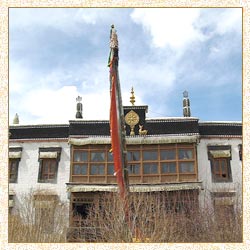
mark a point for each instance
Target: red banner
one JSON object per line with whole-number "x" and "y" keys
{"x": 115, "y": 130}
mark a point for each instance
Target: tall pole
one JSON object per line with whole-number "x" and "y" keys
{"x": 117, "y": 121}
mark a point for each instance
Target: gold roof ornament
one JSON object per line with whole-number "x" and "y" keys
{"x": 132, "y": 118}
{"x": 132, "y": 98}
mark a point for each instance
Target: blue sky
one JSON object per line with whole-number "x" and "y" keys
{"x": 57, "y": 54}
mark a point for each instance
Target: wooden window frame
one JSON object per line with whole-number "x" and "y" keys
{"x": 51, "y": 175}
{"x": 182, "y": 201}
{"x": 43, "y": 161}
{"x": 217, "y": 176}
{"x": 220, "y": 175}
{"x": 15, "y": 160}
{"x": 131, "y": 163}
{"x": 89, "y": 149}
{"x": 44, "y": 215}
{"x": 240, "y": 151}
{"x": 139, "y": 150}
{"x": 13, "y": 169}
{"x": 78, "y": 200}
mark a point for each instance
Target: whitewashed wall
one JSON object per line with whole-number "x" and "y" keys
{"x": 29, "y": 168}
{"x": 27, "y": 180}
{"x": 204, "y": 169}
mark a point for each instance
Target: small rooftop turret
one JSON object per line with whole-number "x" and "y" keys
{"x": 79, "y": 107}
{"x": 186, "y": 105}
{"x": 16, "y": 119}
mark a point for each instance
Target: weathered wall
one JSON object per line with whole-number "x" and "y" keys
{"x": 29, "y": 168}
{"x": 204, "y": 168}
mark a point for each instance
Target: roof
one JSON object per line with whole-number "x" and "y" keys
{"x": 172, "y": 126}
{"x": 178, "y": 126}
{"x": 220, "y": 128}
{"x": 39, "y": 131}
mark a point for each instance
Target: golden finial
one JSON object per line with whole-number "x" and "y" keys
{"x": 132, "y": 98}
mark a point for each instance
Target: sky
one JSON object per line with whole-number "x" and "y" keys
{"x": 57, "y": 54}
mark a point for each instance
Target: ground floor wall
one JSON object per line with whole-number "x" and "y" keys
{"x": 93, "y": 210}
{"x": 225, "y": 191}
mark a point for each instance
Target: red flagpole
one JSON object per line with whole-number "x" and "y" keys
{"x": 117, "y": 123}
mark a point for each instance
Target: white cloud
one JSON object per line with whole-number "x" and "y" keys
{"x": 68, "y": 20}
{"x": 18, "y": 77}
{"x": 59, "y": 106}
{"x": 96, "y": 105}
{"x": 63, "y": 19}
{"x": 89, "y": 16}
{"x": 40, "y": 92}
{"x": 169, "y": 26}
{"x": 50, "y": 106}
{"x": 220, "y": 21}
{"x": 229, "y": 20}
{"x": 147, "y": 78}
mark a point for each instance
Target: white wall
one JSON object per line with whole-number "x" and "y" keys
{"x": 29, "y": 167}
{"x": 204, "y": 168}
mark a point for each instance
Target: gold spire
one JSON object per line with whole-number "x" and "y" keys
{"x": 132, "y": 98}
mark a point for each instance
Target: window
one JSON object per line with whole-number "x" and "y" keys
{"x": 49, "y": 160}
{"x": 220, "y": 169}
{"x": 97, "y": 156}
{"x": 133, "y": 158}
{"x": 168, "y": 167}
{"x": 178, "y": 159}
{"x": 14, "y": 159}
{"x": 150, "y": 155}
{"x": 48, "y": 169}
{"x": 80, "y": 169}
{"x": 81, "y": 156}
{"x": 134, "y": 169}
{"x": 224, "y": 207}
{"x": 45, "y": 208}
{"x": 150, "y": 168}
{"x": 186, "y": 167}
{"x": 185, "y": 154}
{"x": 168, "y": 154}
{"x": 111, "y": 169}
{"x": 13, "y": 170}
{"x": 181, "y": 201}
{"x": 220, "y": 157}
{"x": 44, "y": 219}
{"x": 11, "y": 202}
{"x": 81, "y": 203}
{"x": 97, "y": 162}
{"x": 97, "y": 169}
{"x": 170, "y": 160}
{"x": 240, "y": 151}
{"x": 90, "y": 161}
{"x": 150, "y": 161}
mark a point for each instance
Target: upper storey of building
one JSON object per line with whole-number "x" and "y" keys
{"x": 136, "y": 124}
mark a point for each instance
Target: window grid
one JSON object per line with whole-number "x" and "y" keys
{"x": 98, "y": 162}
{"x": 13, "y": 170}
{"x": 166, "y": 160}
{"x": 48, "y": 169}
{"x": 220, "y": 164}
{"x": 220, "y": 169}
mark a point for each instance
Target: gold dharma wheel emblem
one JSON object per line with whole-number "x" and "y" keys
{"x": 132, "y": 118}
